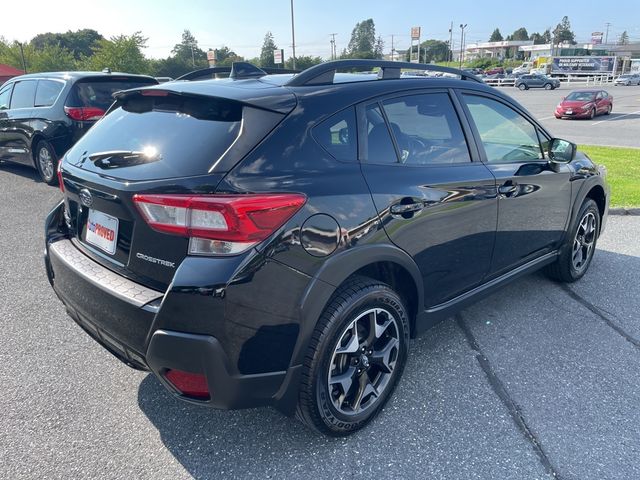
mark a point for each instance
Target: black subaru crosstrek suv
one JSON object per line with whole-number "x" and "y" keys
{"x": 278, "y": 239}
{"x": 43, "y": 114}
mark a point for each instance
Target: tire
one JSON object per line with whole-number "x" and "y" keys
{"x": 592, "y": 115}
{"x": 522, "y": 87}
{"x": 548, "y": 86}
{"x": 46, "y": 162}
{"x": 581, "y": 238}
{"x": 345, "y": 377}
{"x": 609, "y": 108}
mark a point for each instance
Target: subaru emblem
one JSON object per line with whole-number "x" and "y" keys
{"x": 85, "y": 197}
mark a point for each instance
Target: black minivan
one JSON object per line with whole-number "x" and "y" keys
{"x": 42, "y": 115}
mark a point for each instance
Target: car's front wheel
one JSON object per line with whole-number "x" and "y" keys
{"x": 580, "y": 244}
{"x": 356, "y": 356}
{"x": 46, "y": 162}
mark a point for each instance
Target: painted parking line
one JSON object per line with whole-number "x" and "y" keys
{"x": 616, "y": 117}
{"x": 547, "y": 118}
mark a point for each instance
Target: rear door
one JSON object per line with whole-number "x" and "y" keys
{"x": 533, "y": 196}
{"x": 16, "y": 123}
{"x": 435, "y": 198}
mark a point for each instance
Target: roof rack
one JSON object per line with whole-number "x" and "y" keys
{"x": 324, "y": 73}
{"x": 238, "y": 71}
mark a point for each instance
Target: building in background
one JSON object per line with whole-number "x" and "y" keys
{"x": 7, "y": 72}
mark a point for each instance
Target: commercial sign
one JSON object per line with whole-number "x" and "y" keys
{"x": 278, "y": 56}
{"x": 211, "y": 55}
{"x": 415, "y": 33}
{"x": 596, "y": 38}
{"x": 583, "y": 64}
{"x": 635, "y": 66}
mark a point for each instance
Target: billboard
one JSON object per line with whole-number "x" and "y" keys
{"x": 635, "y": 66}
{"x": 278, "y": 57}
{"x": 583, "y": 64}
{"x": 596, "y": 38}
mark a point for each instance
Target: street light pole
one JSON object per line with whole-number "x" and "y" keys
{"x": 293, "y": 38}
{"x": 462, "y": 27}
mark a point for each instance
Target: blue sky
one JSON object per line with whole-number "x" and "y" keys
{"x": 242, "y": 24}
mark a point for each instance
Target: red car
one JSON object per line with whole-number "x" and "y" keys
{"x": 585, "y": 104}
{"x": 494, "y": 71}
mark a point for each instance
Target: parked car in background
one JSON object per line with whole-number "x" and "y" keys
{"x": 525, "y": 82}
{"x": 42, "y": 115}
{"x": 494, "y": 71}
{"x": 277, "y": 239}
{"x": 585, "y": 104}
{"x": 628, "y": 79}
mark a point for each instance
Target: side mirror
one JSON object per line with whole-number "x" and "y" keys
{"x": 561, "y": 151}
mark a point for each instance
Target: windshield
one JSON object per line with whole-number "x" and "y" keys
{"x": 581, "y": 96}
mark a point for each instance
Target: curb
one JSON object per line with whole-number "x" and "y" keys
{"x": 624, "y": 211}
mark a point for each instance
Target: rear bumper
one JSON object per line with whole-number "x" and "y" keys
{"x": 129, "y": 320}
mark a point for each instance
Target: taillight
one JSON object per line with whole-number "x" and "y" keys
{"x": 84, "y": 114}
{"x": 219, "y": 224}
{"x": 60, "y": 180}
{"x": 189, "y": 384}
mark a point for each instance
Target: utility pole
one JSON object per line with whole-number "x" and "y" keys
{"x": 462, "y": 27}
{"x": 606, "y": 35}
{"x": 293, "y": 38}
{"x": 450, "y": 55}
{"x": 333, "y": 46}
{"x": 193, "y": 57}
{"x": 393, "y": 50}
{"x": 24, "y": 64}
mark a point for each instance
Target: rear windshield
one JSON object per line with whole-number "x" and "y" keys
{"x": 98, "y": 92}
{"x": 147, "y": 138}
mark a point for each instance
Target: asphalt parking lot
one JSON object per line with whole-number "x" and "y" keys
{"x": 538, "y": 380}
{"x": 618, "y": 129}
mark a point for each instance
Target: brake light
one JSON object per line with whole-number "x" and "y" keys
{"x": 219, "y": 224}
{"x": 60, "y": 180}
{"x": 154, "y": 93}
{"x": 83, "y": 114}
{"x": 189, "y": 384}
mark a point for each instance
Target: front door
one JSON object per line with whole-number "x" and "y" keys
{"x": 533, "y": 196}
{"x": 435, "y": 198}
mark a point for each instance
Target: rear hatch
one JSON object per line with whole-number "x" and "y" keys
{"x": 153, "y": 142}
{"x": 91, "y": 97}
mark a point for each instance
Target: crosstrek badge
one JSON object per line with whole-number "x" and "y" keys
{"x": 102, "y": 231}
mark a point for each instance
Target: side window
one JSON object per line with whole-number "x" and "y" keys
{"x": 23, "y": 94}
{"x": 380, "y": 147}
{"x": 338, "y": 135}
{"x": 5, "y": 97}
{"x": 506, "y": 135}
{"x": 427, "y": 129}
{"x": 47, "y": 92}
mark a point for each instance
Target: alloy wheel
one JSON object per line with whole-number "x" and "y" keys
{"x": 45, "y": 160}
{"x": 584, "y": 242}
{"x": 363, "y": 361}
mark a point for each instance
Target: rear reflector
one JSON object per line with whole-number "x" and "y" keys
{"x": 84, "y": 114}
{"x": 219, "y": 224}
{"x": 189, "y": 384}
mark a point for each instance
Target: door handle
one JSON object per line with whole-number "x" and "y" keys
{"x": 401, "y": 208}
{"x": 508, "y": 188}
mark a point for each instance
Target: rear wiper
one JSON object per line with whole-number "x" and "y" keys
{"x": 121, "y": 158}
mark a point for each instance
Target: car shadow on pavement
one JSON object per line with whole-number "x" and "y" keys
{"x": 22, "y": 170}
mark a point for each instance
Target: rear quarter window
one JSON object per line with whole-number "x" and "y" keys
{"x": 338, "y": 135}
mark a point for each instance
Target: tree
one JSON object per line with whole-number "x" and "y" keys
{"x": 122, "y": 53}
{"x": 520, "y": 34}
{"x": 303, "y": 62}
{"x": 225, "y": 56}
{"x": 52, "y": 58}
{"x": 496, "y": 36}
{"x": 624, "y": 38}
{"x": 563, "y": 33}
{"x": 266, "y": 54}
{"x": 188, "y": 52}
{"x": 539, "y": 39}
{"x": 432, "y": 51}
{"x": 363, "y": 42}
{"x": 80, "y": 43}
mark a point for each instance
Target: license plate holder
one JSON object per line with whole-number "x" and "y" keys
{"x": 102, "y": 231}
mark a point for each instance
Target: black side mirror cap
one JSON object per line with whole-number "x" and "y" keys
{"x": 561, "y": 151}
